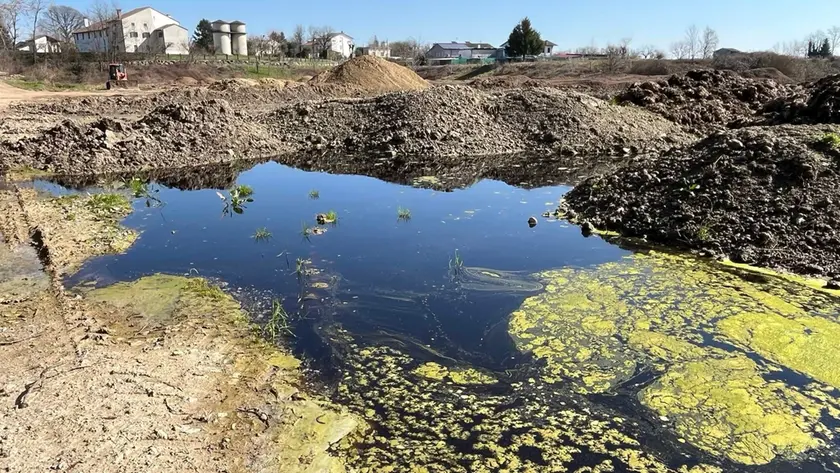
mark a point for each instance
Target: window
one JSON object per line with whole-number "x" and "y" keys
{"x": 132, "y": 25}
{"x": 146, "y": 35}
{"x": 133, "y": 34}
{"x": 145, "y": 26}
{"x": 160, "y": 34}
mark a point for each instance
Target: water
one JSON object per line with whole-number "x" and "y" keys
{"x": 378, "y": 295}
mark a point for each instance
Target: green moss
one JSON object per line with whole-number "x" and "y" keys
{"x": 108, "y": 205}
{"x": 726, "y": 407}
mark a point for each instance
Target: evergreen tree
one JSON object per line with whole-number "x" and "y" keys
{"x": 524, "y": 40}
{"x": 203, "y": 36}
{"x": 825, "y": 50}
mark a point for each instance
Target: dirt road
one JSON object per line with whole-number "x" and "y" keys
{"x": 9, "y": 94}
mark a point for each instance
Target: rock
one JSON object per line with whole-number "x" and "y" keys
{"x": 321, "y": 219}
{"x": 532, "y": 222}
{"x": 833, "y": 284}
{"x": 587, "y": 228}
{"x": 735, "y": 144}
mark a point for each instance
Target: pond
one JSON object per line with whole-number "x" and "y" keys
{"x": 472, "y": 341}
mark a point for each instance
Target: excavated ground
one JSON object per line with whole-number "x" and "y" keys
{"x": 763, "y": 194}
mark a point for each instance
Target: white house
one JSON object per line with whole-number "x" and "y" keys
{"x": 142, "y": 30}
{"x": 42, "y": 44}
{"x": 342, "y": 43}
{"x": 379, "y": 51}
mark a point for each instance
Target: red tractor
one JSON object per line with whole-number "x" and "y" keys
{"x": 117, "y": 78}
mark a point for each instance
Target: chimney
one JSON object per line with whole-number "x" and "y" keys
{"x": 119, "y": 13}
{"x": 86, "y": 22}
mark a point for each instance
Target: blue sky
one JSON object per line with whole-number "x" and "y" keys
{"x": 743, "y": 24}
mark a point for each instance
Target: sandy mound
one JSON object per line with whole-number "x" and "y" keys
{"x": 759, "y": 195}
{"x": 704, "y": 99}
{"x": 372, "y": 74}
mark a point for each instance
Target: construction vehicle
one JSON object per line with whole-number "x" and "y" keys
{"x": 117, "y": 78}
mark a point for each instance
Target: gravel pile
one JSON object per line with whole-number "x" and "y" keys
{"x": 818, "y": 102}
{"x": 705, "y": 100}
{"x": 170, "y": 135}
{"x": 458, "y": 120}
{"x": 759, "y": 195}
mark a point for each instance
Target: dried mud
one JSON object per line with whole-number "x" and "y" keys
{"x": 135, "y": 376}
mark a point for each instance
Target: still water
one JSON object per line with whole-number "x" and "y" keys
{"x": 474, "y": 342}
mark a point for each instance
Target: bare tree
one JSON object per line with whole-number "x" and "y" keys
{"x": 692, "y": 42}
{"x": 60, "y": 21}
{"x": 616, "y": 57}
{"x": 297, "y": 38}
{"x": 321, "y": 37}
{"x": 12, "y": 13}
{"x": 708, "y": 43}
{"x": 35, "y": 8}
{"x": 834, "y": 38}
{"x": 107, "y": 40}
{"x": 679, "y": 50}
{"x": 817, "y": 38}
{"x": 647, "y": 51}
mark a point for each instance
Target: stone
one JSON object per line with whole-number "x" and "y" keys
{"x": 532, "y": 222}
{"x": 587, "y": 228}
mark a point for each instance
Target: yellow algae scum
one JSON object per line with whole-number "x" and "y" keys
{"x": 720, "y": 341}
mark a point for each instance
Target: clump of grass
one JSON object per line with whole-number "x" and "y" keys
{"x": 200, "y": 287}
{"x": 239, "y": 196}
{"x": 314, "y": 194}
{"x": 106, "y": 205}
{"x": 829, "y": 141}
{"x": 614, "y": 100}
{"x": 332, "y": 216}
{"x": 278, "y": 323}
{"x": 403, "y": 214}
{"x": 456, "y": 264}
{"x": 143, "y": 190}
{"x": 262, "y": 234}
{"x": 306, "y": 230}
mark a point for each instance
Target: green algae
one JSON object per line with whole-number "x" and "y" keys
{"x": 165, "y": 298}
{"x": 419, "y": 423}
{"x": 725, "y": 405}
{"x": 458, "y": 375}
{"x": 597, "y": 327}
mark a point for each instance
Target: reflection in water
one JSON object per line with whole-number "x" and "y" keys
{"x": 548, "y": 352}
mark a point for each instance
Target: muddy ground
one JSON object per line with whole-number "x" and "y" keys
{"x": 163, "y": 374}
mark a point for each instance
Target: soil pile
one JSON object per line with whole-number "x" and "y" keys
{"x": 759, "y": 195}
{"x": 372, "y": 74}
{"x": 170, "y": 135}
{"x": 704, "y": 99}
{"x": 459, "y": 120}
{"x": 817, "y": 103}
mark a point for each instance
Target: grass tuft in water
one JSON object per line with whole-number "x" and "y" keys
{"x": 456, "y": 264}
{"x": 314, "y": 194}
{"x": 202, "y": 288}
{"x": 278, "y": 323}
{"x": 107, "y": 205}
{"x": 239, "y": 196}
{"x": 262, "y": 234}
{"x": 306, "y": 230}
{"x": 403, "y": 214}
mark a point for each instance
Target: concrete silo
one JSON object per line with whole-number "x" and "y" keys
{"x": 221, "y": 37}
{"x": 239, "y": 38}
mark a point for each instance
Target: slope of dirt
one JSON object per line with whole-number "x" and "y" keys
{"x": 372, "y": 74}
{"x": 760, "y": 195}
{"x": 704, "y": 99}
{"x": 818, "y": 102}
{"x": 425, "y": 124}
{"x": 459, "y": 120}
{"x": 159, "y": 375}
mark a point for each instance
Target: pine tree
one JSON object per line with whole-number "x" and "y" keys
{"x": 203, "y": 36}
{"x": 524, "y": 40}
{"x": 825, "y": 50}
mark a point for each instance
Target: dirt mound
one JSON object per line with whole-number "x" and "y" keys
{"x": 461, "y": 120}
{"x": 818, "y": 102}
{"x": 704, "y": 99}
{"x": 174, "y": 134}
{"x": 188, "y": 81}
{"x": 759, "y": 195}
{"x": 372, "y": 74}
{"x": 767, "y": 73}
{"x": 512, "y": 81}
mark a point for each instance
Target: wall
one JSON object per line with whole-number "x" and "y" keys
{"x": 341, "y": 43}
{"x": 139, "y": 28}
{"x": 175, "y": 39}
{"x": 92, "y": 41}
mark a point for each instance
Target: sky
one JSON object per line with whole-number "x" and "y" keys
{"x": 741, "y": 24}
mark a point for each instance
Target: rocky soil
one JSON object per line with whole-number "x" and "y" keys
{"x": 705, "y": 100}
{"x": 818, "y": 102}
{"x": 760, "y": 195}
{"x": 430, "y": 123}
